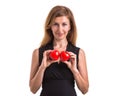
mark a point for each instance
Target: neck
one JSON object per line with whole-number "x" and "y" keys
{"x": 60, "y": 43}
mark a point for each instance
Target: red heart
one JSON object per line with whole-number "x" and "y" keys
{"x": 54, "y": 55}
{"x": 64, "y": 56}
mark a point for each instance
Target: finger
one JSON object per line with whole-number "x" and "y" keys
{"x": 71, "y": 53}
{"x": 57, "y": 60}
{"x": 72, "y": 56}
{"x": 52, "y": 61}
{"x": 67, "y": 62}
{"x": 48, "y": 51}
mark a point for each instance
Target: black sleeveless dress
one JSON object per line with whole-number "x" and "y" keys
{"x": 58, "y": 80}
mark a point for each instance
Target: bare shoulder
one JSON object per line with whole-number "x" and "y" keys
{"x": 81, "y": 53}
{"x": 82, "y": 57}
{"x": 35, "y": 55}
{"x": 82, "y": 62}
{"x": 35, "y": 52}
{"x": 34, "y": 62}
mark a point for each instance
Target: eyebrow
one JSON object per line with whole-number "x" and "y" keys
{"x": 62, "y": 22}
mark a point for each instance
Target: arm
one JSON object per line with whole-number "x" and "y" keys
{"x": 81, "y": 75}
{"x": 37, "y": 72}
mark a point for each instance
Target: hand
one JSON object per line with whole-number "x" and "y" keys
{"x": 72, "y": 61}
{"x": 46, "y": 59}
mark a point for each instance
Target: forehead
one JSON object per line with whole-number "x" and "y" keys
{"x": 61, "y": 19}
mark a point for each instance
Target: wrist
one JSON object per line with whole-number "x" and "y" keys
{"x": 75, "y": 71}
{"x": 42, "y": 67}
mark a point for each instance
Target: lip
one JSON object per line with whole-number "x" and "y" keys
{"x": 59, "y": 34}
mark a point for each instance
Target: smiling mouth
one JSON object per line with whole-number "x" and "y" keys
{"x": 60, "y": 34}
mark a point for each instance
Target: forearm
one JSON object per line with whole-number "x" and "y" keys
{"x": 81, "y": 83}
{"x": 36, "y": 82}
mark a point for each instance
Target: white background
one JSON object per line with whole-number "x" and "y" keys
{"x": 21, "y": 30}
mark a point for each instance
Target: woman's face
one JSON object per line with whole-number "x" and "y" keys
{"x": 60, "y": 27}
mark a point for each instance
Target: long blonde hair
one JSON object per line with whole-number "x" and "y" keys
{"x": 58, "y": 11}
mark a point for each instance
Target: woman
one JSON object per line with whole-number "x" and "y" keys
{"x": 57, "y": 77}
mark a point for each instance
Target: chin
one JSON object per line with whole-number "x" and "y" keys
{"x": 60, "y": 38}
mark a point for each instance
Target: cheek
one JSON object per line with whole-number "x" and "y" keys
{"x": 67, "y": 29}
{"x": 54, "y": 29}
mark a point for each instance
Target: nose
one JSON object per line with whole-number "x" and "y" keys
{"x": 60, "y": 28}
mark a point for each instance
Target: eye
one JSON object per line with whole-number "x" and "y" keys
{"x": 55, "y": 24}
{"x": 64, "y": 24}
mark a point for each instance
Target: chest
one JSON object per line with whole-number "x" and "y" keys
{"x": 58, "y": 71}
